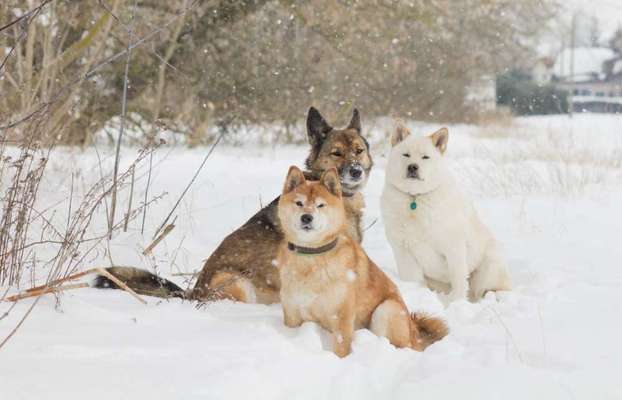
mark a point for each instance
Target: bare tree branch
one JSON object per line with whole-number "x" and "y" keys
{"x": 113, "y": 202}
{"x": 194, "y": 177}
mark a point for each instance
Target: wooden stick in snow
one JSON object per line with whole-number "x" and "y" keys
{"x": 101, "y": 271}
{"x": 45, "y": 290}
{"x": 61, "y": 280}
{"x": 153, "y": 244}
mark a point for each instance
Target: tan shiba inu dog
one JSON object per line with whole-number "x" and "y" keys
{"x": 327, "y": 278}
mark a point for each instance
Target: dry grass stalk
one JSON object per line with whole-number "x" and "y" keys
{"x": 129, "y": 203}
{"x": 24, "y": 174}
{"x": 74, "y": 245}
{"x": 169, "y": 228}
{"x": 113, "y": 202}
{"x": 191, "y": 274}
{"x": 39, "y": 292}
{"x": 194, "y": 177}
{"x": 56, "y": 282}
{"x": 53, "y": 286}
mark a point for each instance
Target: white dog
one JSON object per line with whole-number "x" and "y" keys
{"x": 436, "y": 235}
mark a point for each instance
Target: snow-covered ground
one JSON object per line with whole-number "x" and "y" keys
{"x": 548, "y": 187}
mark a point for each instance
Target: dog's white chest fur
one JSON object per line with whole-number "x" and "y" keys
{"x": 436, "y": 226}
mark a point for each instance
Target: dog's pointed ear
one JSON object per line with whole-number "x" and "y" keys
{"x": 440, "y": 138}
{"x": 317, "y": 127}
{"x": 295, "y": 178}
{"x": 330, "y": 180}
{"x": 355, "y": 122}
{"x": 401, "y": 133}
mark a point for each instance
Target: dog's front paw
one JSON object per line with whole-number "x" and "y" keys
{"x": 292, "y": 320}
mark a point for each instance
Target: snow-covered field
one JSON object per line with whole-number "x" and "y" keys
{"x": 548, "y": 187}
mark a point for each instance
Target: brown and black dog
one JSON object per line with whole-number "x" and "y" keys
{"x": 243, "y": 266}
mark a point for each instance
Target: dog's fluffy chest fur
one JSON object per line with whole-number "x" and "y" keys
{"x": 313, "y": 285}
{"x": 442, "y": 220}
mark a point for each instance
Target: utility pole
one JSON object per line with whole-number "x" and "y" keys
{"x": 573, "y": 29}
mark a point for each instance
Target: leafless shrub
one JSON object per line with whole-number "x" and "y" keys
{"x": 18, "y": 208}
{"x": 30, "y": 238}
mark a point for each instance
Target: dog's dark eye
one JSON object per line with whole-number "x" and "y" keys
{"x": 425, "y": 157}
{"x": 406, "y": 155}
{"x": 336, "y": 153}
{"x": 320, "y": 205}
{"x": 359, "y": 151}
{"x": 299, "y": 203}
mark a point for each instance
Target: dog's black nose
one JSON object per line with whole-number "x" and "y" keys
{"x": 306, "y": 218}
{"x": 356, "y": 172}
{"x": 413, "y": 168}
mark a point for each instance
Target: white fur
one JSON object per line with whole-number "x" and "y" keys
{"x": 442, "y": 242}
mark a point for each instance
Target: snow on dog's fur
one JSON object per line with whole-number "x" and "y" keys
{"x": 432, "y": 226}
{"x": 327, "y": 278}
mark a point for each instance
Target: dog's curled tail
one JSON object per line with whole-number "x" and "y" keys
{"x": 141, "y": 281}
{"x": 426, "y": 330}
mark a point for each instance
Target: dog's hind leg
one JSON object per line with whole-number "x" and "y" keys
{"x": 491, "y": 275}
{"x": 390, "y": 319}
{"x": 233, "y": 286}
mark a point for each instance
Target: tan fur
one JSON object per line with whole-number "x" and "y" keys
{"x": 439, "y": 139}
{"x": 233, "y": 286}
{"x": 341, "y": 289}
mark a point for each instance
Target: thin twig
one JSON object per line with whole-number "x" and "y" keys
{"x": 169, "y": 228}
{"x": 6, "y": 58}
{"x": 196, "y": 174}
{"x": 113, "y": 202}
{"x": 7, "y": 312}
{"x": 129, "y": 204}
{"x": 34, "y": 11}
{"x": 70, "y": 204}
{"x": 28, "y": 14}
{"x": 21, "y": 321}
{"x": 46, "y": 290}
{"x": 142, "y": 227}
{"x": 370, "y": 225}
{"x": 72, "y": 277}
{"x": 101, "y": 177}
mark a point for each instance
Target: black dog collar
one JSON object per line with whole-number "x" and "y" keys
{"x": 312, "y": 250}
